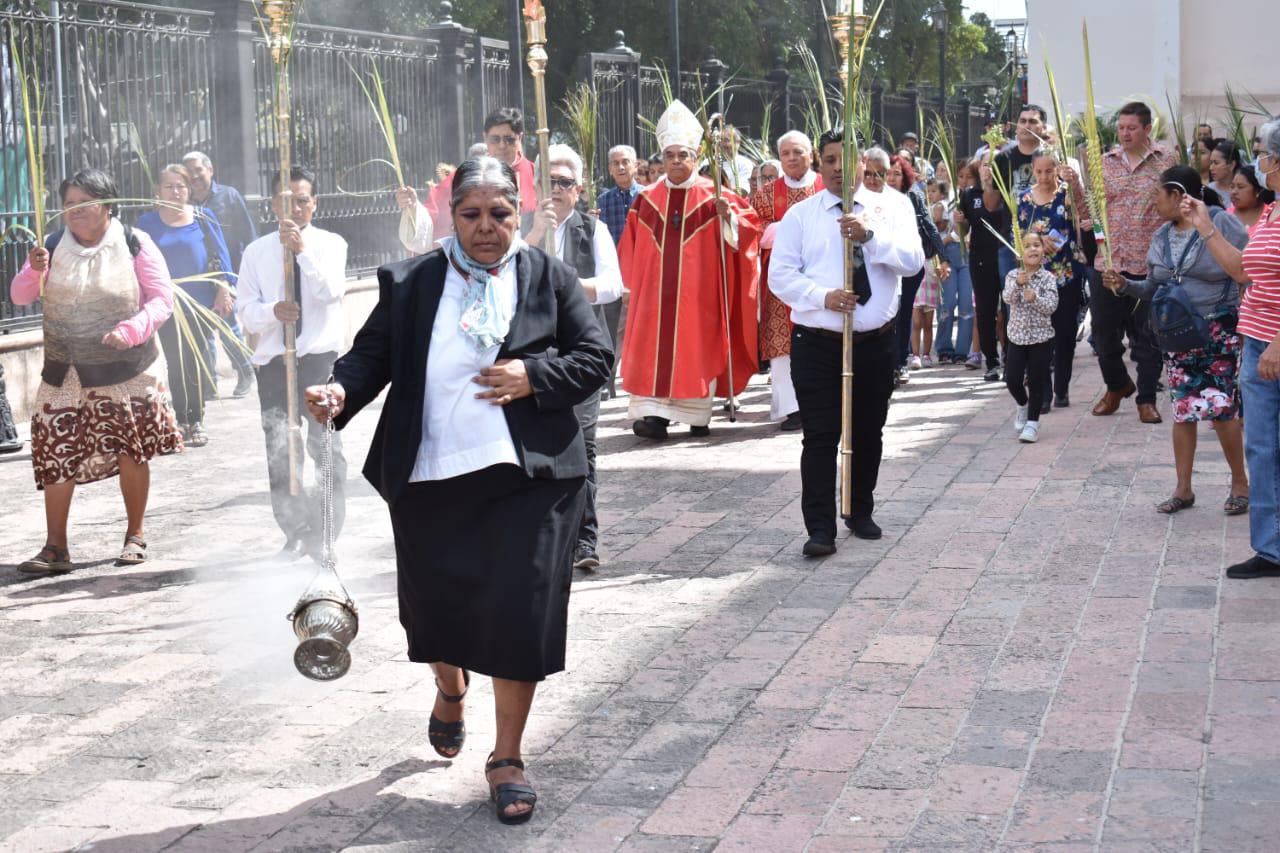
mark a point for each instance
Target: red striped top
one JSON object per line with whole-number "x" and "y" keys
{"x": 1260, "y": 310}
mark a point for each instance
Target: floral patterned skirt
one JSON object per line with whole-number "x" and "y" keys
{"x": 1203, "y": 382}
{"x": 78, "y": 433}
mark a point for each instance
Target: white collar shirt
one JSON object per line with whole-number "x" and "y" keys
{"x": 461, "y": 434}
{"x": 808, "y": 258}
{"x": 320, "y": 289}
{"x": 608, "y": 278}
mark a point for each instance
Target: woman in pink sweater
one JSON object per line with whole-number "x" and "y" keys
{"x": 103, "y": 407}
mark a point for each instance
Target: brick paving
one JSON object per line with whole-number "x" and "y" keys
{"x": 1031, "y": 658}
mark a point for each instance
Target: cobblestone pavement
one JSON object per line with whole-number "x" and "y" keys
{"x": 1032, "y": 658}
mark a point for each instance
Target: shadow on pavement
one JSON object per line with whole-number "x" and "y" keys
{"x": 363, "y": 799}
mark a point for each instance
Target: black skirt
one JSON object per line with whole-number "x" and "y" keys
{"x": 483, "y": 566}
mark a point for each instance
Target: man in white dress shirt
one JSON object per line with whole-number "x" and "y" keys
{"x": 583, "y": 242}
{"x": 320, "y": 280}
{"x": 806, "y": 272}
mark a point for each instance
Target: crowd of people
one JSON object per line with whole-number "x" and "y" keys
{"x": 514, "y": 315}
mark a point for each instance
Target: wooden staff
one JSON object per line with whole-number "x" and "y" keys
{"x": 279, "y": 15}
{"x": 535, "y": 17}
{"x": 715, "y": 129}
{"x": 849, "y": 26}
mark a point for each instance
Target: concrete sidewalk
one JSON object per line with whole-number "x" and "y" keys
{"x": 1032, "y": 658}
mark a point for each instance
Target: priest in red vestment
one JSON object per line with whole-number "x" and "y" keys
{"x": 772, "y": 201}
{"x": 677, "y": 353}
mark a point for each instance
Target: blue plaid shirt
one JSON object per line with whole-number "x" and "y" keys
{"x": 614, "y": 204}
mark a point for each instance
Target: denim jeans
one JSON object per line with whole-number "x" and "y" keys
{"x": 957, "y": 307}
{"x": 1007, "y": 263}
{"x": 1262, "y": 451}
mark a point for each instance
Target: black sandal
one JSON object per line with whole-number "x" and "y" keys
{"x": 442, "y": 735}
{"x": 1175, "y": 504}
{"x": 507, "y": 794}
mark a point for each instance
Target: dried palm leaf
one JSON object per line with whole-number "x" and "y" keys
{"x": 582, "y": 110}
{"x": 1095, "y": 188}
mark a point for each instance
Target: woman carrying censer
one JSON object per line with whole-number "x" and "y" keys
{"x": 487, "y": 345}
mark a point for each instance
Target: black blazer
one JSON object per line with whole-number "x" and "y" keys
{"x": 553, "y": 331}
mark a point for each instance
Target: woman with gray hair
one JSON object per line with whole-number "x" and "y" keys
{"x": 1259, "y": 325}
{"x": 486, "y": 345}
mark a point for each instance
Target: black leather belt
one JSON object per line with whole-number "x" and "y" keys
{"x": 855, "y": 337}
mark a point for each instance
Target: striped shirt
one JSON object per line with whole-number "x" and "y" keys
{"x": 1260, "y": 310}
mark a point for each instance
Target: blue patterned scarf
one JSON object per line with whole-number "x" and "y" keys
{"x": 486, "y": 319}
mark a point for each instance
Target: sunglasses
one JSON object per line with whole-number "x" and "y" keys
{"x": 495, "y": 139}
{"x": 565, "y": 184}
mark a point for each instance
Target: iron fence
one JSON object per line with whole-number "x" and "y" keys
{"x": 335, "y": 133}
{"x": 127, "y": 88}
{"x": 130, "y": 87}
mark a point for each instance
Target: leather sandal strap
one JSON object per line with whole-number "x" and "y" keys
{"x": 135, "y": 540}
{"x": 448, "y": 697}
{"x": 498, "y": 764}
{"x": 54, "y": 553}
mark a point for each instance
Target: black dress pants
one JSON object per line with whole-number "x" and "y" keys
{"x": 1114, "y": 317}
{"x": 299, "y": 516}
{"x": 186, "y": 360}
{"x": 815, "y": 372}
{"x": 906, "y": 305}
{"x": 984, "y": 272}
{"x": 8, "y": 429}
{"x": 588, "y": 415}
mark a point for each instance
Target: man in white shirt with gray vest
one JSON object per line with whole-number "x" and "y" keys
{"x": 320, "y": 279}
{"x": 806, "y": 271}
{"x": 583, "y": 242}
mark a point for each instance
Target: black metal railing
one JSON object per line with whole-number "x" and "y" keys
{"x": 337, "y": 136}
{"x": 127, "y": 88}
{"x": 130, "y": 87}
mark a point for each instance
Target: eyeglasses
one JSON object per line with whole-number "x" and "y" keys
{"x": 875, "y": 176}
{"x": 495, "y": 139}
{"x": 680, "y": 155}
{"x": 565, "y": 184}
{"x": 173, "y": 188}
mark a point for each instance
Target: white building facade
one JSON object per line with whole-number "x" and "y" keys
{"x": 1142, "y": 49}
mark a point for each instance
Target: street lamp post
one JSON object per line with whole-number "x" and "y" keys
{"x": 674, "y": 71}
{"x": 939, "y": 15}
{"x": 1011, "y": 49}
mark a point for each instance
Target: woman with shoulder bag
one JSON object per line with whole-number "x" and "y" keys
{"x": 1196, "y": 330}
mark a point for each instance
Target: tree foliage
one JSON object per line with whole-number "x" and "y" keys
{"x": 749, "y": 36}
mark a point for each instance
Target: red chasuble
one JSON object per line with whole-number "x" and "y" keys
{"x": 670, "y": 256}
{"x": 772, "y": 203}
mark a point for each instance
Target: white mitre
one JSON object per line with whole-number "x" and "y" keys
{"x": 679, "y": 126}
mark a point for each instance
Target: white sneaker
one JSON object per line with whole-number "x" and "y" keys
{"x": 926, "y": 361}
{"x": 1019, "y": 419}
{"x": 914, "y": 364}
{"x": 1030, "y": 433}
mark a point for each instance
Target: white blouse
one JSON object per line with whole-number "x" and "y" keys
{"x": 461, "y": 434}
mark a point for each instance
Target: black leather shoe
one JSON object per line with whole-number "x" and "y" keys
{"x": 1256, "y": 566}
{"x": 651, "y": 427}
{"x": 819, "y": 546}
{"x": 586, "y": 560}
{"x": 700, "y": 432}
{"x": 863, "y": 527}
{"x": 1062, "y": 403}
{"x": 792, "y": 423}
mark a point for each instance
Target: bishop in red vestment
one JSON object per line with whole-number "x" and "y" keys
{"x": 677, "y": 352}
